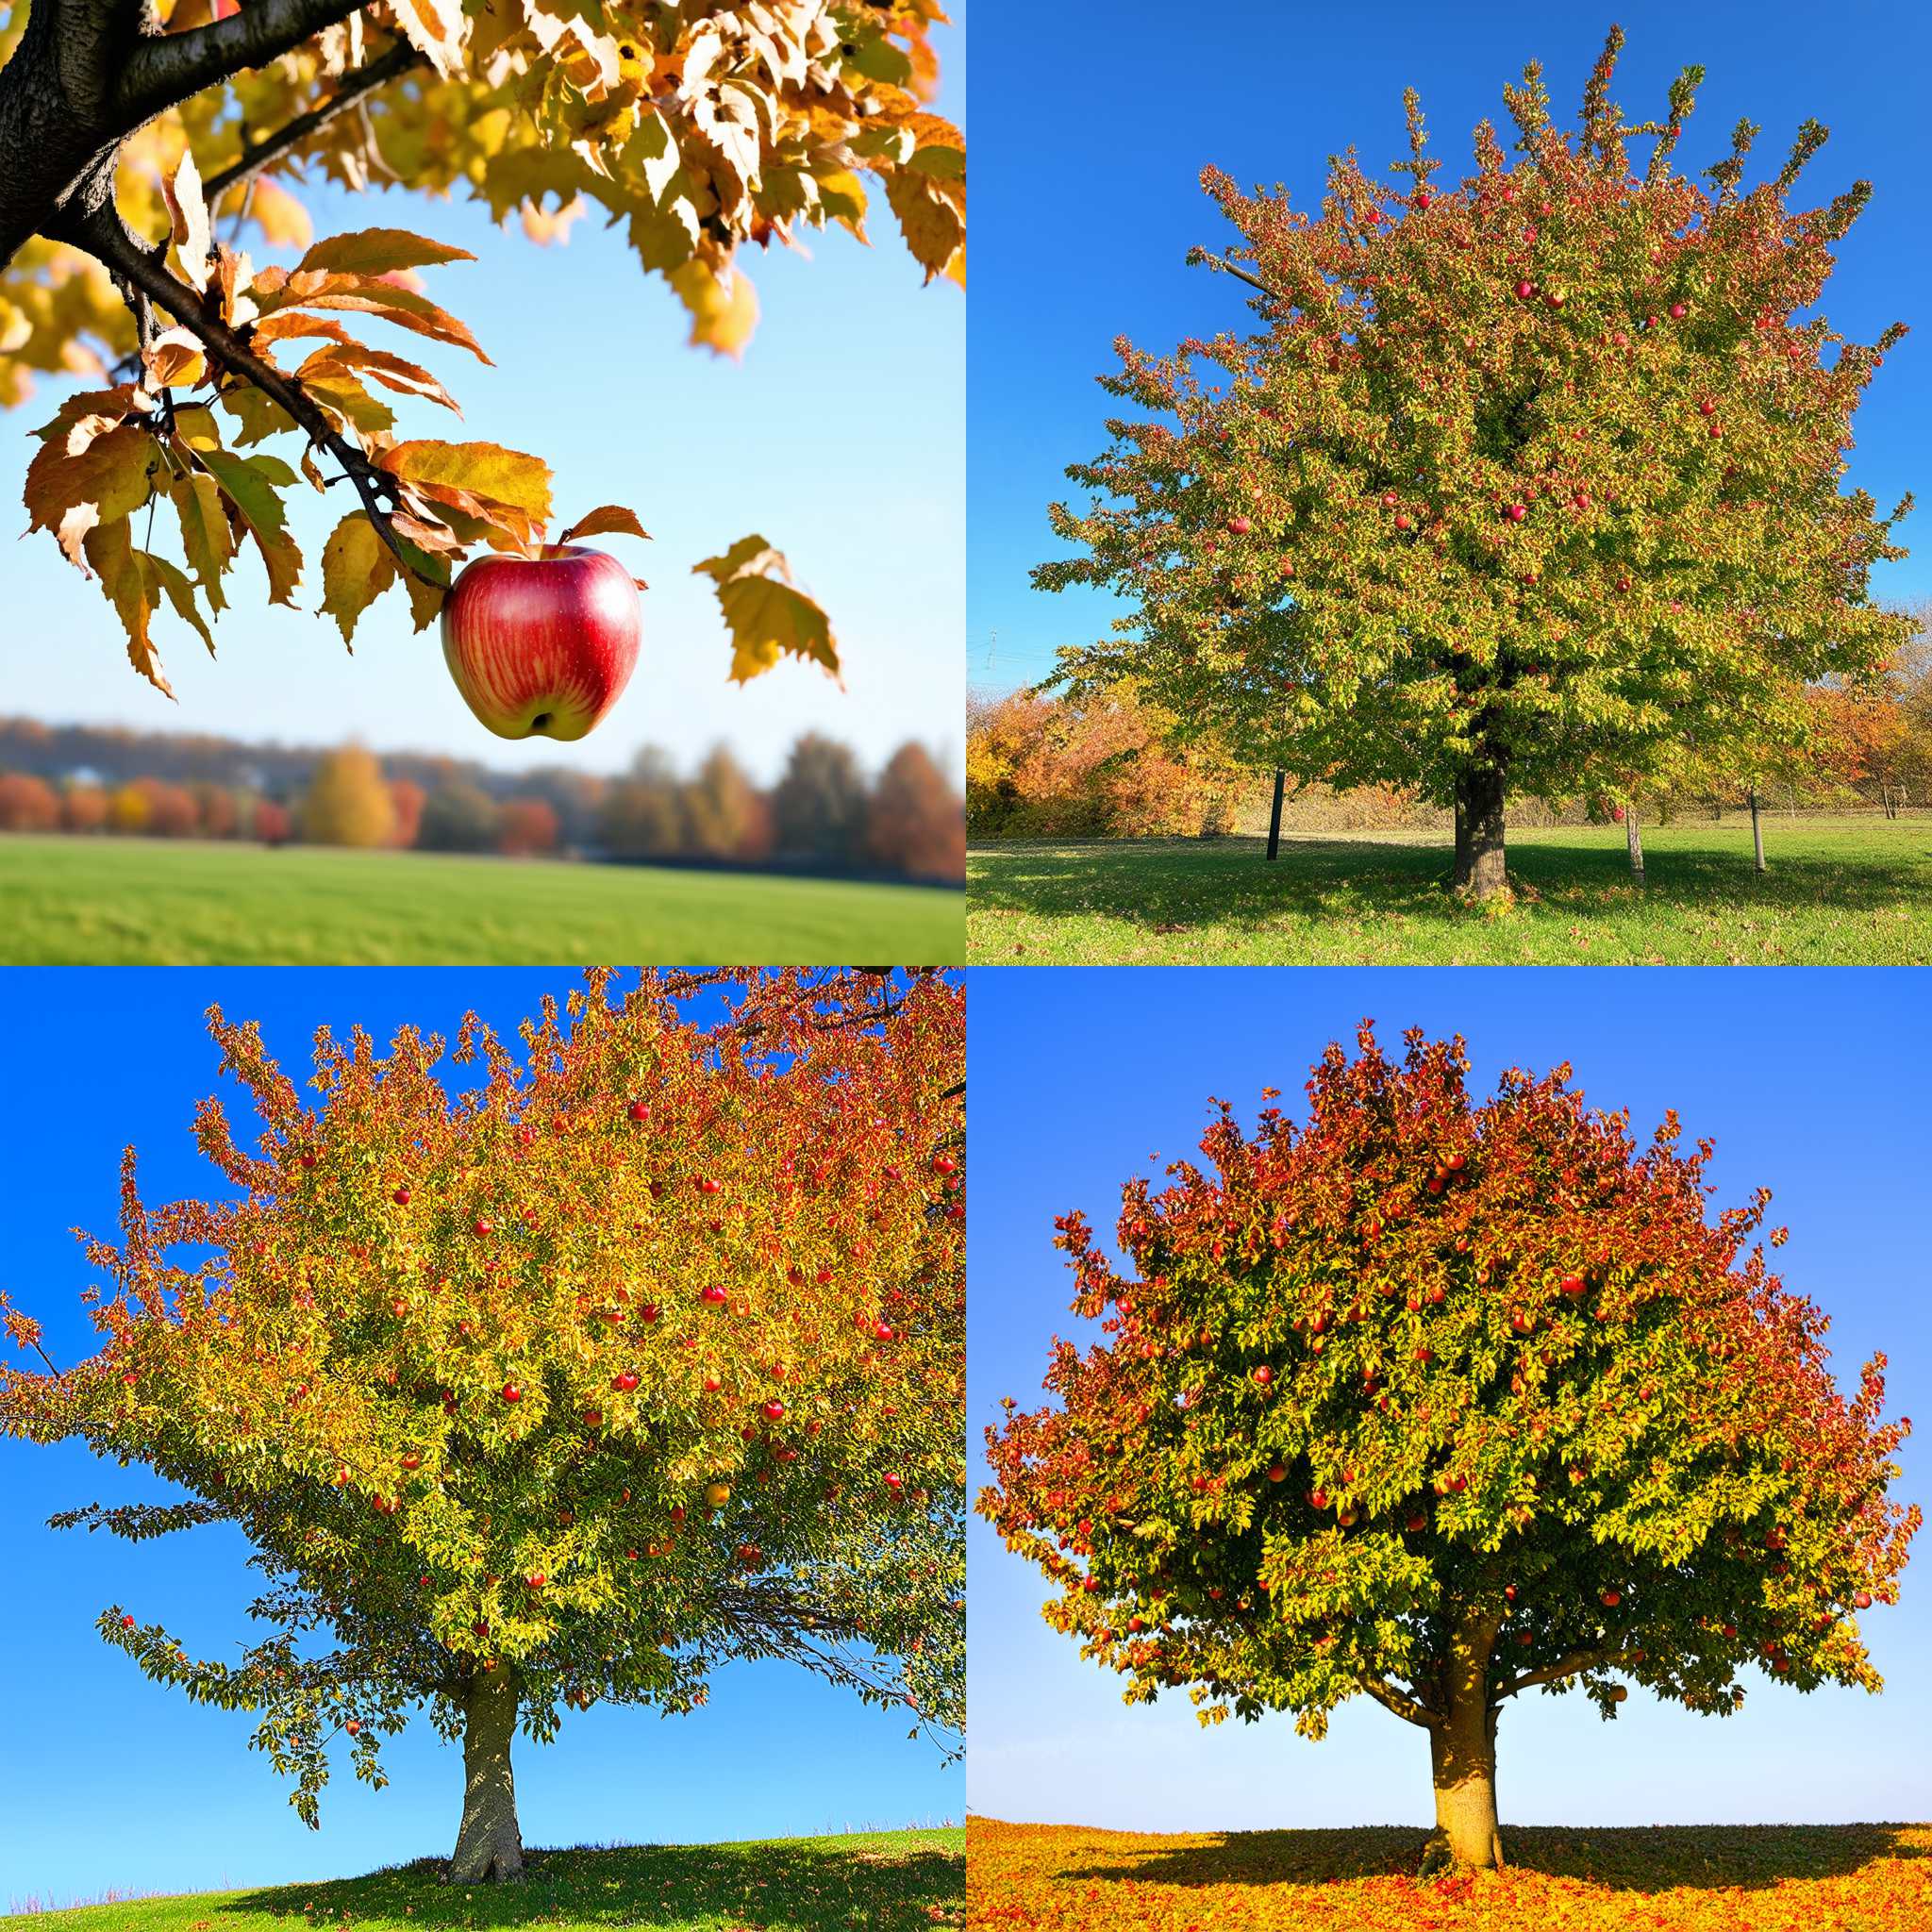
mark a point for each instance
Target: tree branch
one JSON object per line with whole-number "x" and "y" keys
{"x": 1221, "y": 264}
{"x": 1565, "y": 1667}
{"x": 1411, "y": 1711}
{"x": 163, "y": 70}
{"x": 352, "y": 87}
{"x": 105, "y": 237}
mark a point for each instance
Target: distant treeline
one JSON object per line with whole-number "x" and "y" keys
{"x": 823, "y": 813}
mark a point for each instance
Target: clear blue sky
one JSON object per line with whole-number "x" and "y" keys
{"x": 117, "y": 1782}
{"x": 1811, "y": 1083}
{"x": 840, "y": 438}
{"x": 1089, "y": 144}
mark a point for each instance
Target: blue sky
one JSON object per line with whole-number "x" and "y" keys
{"x": 840, "y": 438}
{"x": 1810, "y": 1082}
{"x": 110, "y": 1057}
{"x": 1086, "y": 199}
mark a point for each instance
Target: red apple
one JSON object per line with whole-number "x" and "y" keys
{"x": 1862, "y": 1600}
{"x": 773, "y": 1409}
{"x": 401, "y": 1197}
{"x": 542, "y": 646}
{"x": 512, "y": 1392}
{"x": 714, "y": 1294}
{"x": 626, "y": 1380}
{"x": 1571, "y": 1285}
{"x": 638, "y": 1111}
{"x": 1612, "y": 1598}
{"x": 1276, "y": 1474}
{"x": 127, "y": 1622}
{"x": 1516, "y": 513}
{"x": 1239, "y": 525}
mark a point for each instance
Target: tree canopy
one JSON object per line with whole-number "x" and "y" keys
{"x": 1440, "y": 1402}
{"x": 1533, "y": 482}
{"x": 630, "y": 1357}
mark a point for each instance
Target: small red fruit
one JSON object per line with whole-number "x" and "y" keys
{"x": 512, "y": 1392}
{"x": 1239, "y": 525}
{"x": 401, "y": 1197}
{"x": 638, "y": 1111}
{"x": 625, "y": 1379}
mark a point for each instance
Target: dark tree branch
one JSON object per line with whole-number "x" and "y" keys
{"x": 1411, "y": 1711}
{"x": 105, "y": 237}
{"x": 1570, "y": 1666}
{"x": 163, "y": 70}
{"x": 351, "y": 88}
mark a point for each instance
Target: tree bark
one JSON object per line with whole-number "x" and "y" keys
{"x": 1481, "y": 865}
{"x": 1756, "y": 833}
{"x": 1633, "y": 840}
{"x": 489, "y": 1847}
{"x": 1463, "y": 1753}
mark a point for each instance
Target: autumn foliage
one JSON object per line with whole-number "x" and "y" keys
{"x": 1531, "y": 482}
{"x": 1702, "y": 1879}
{"x": 1443, "y": 1400}
{"x": 1105, "y": 766}
{"x": 563, "y": 1381}
{"x": 698, "y": 132}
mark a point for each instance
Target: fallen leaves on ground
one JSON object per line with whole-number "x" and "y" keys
{"x": 1667, "y": 1878}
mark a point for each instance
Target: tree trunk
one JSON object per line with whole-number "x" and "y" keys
{"x": 1274, "y": 815}
{"x": 1462, "y": 1754}
{"x": 489, "y": 1845}
{"x": 1756, "y": 833}
{"x": 1633, "y": 840}
{"x": 1481, "y": 866}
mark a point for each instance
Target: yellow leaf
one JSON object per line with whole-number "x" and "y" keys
{"x": 119, "y": 566}
{"x": 609, "y": 519}
{"x": 189, "y": 214}
{"x": 480, "y": 469}
{"x": 723, "y": 312}
{"x": 283, "y": 220}
{"x": 768, "y": 616}
{"x": 207, "y": 540}
{"x": 357, "y": 568}
{"x": 112, "y": 471}
{"x": 933, "y": 227}
{"x": 175, "y": 355}
{"x": 434, "y": 28}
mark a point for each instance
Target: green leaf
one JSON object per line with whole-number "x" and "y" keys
{"x": 249, "y": 484}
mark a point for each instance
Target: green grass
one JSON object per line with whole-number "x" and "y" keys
{"x": 1838, "y": 892}
{"x": 111, "y": 902}
{"x": 886, "y": 1881}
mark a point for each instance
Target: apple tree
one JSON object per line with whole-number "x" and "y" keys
{"x": 1440, "y": 1403}
{"x": 131, "y": 135}
{"x": 1528, "y": 483}
{"x": 634, "y": 1354}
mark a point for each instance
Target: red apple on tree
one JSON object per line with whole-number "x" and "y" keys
{"x": 543, "y": 645}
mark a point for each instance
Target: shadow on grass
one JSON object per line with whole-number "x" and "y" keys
{"x": 1172, "y": 884}
{"x": 804, "y": 1884}
{"x": 1653, "y": 1859}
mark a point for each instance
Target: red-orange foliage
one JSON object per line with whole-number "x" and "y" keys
{"x": 405, "y": 807}
{"x": 28, "y": 805}
{"x": 525, "y": 827}
{"x": 916, "y": 822}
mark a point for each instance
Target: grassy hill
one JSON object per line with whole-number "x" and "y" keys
{"x": 1846, "y": 891}
{"x": 1692, "y": 1878}
{"x": 888, "y": 1881}
{"x": 102, "y": 902}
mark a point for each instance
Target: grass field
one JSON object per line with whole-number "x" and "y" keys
{"x": 1690, "y": 1878}
{"x": 1838, "y": 892}
{"x": 894, "y": 1881}
{"x": 106, "y": 902}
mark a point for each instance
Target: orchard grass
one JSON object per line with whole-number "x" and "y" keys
{"x": 886, "y": 1881}
{"x": 115, "y": 902}
{"x": 1840, "y": 890}
{"x": 1666, "y": 1879}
